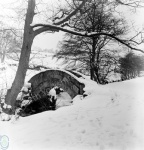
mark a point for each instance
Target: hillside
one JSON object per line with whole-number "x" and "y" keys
{"x": 111, "y": 117}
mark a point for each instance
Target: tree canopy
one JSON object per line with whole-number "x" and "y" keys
{"x": 92, "y": 53}
{"x": 131, "y": 65}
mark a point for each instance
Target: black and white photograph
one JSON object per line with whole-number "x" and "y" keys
{"x": 71, "y": 74}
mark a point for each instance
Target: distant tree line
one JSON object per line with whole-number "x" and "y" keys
{"x": 131, "y": 65}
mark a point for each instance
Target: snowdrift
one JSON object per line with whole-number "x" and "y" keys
{"x": 111, "y": 117}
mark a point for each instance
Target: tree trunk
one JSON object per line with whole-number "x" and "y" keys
{"x": 92, "y": 59}
{"x": 93, "y": 68}
{"x": 29, "y": 35}
{"x": 24, "y": 58}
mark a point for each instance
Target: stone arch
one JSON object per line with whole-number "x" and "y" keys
{"x": 44, "y": 81}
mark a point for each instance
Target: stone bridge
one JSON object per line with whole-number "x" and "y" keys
{"x": 67, "y": 80}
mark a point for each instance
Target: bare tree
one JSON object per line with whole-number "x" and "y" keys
{"x": 32, "y": 30}
{"x": 10, "y": 43}
{"x": 93, "y": 50}
{"x": 131, "y": 65}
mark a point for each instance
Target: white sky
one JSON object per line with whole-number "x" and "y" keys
{"x": 50, "y": 40}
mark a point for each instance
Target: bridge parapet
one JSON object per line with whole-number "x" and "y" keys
{"x": 44, "y": 81}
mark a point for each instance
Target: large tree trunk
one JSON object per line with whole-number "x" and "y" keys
{"x": 29, "y": 35}
{"x": 24, "y": 58}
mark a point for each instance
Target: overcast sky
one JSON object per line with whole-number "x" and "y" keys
{"x": 50, "y": 40}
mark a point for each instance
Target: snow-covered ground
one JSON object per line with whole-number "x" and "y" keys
{"x": 111, "y": 117}
{"x": 7, "y": 74}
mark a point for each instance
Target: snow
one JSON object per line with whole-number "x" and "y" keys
{"x": 28, "y": 85}
{"x": 25, "y": 102}
{"x": 83, "y": 76}
{"x": 7, "y": 76}
{"x": 111, "y": 117}
{"x": 63, "y": 99}
{"x": 52, "y": 93}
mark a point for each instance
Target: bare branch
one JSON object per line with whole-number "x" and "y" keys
{"x": 54, "y": 28}
{"x": 134, "y": 4}
{"x": 71, "y": 14}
